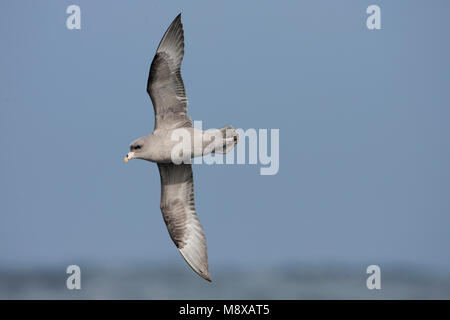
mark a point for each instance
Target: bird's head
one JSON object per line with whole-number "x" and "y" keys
{"x": 137, "y": 149}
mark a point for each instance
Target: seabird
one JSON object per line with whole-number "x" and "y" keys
{"x": 166, "y": 89}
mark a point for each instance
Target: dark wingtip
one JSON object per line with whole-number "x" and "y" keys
{"x": 204, "y": 275}
{"x": 177, "y": 21}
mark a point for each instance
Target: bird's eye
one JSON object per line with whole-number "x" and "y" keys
{"x": 137, "y": 147}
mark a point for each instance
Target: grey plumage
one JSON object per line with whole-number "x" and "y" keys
{"x": 166, "y": 89}
{"x": 178, "y": 209}
{"x": 165, "y": 85}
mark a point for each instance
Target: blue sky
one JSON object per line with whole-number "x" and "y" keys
{"x": 363, "y": 118}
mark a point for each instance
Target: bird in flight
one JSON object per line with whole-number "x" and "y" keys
{"x": 166, "y": 89}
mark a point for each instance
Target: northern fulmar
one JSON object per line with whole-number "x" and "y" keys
{"x": 166, "y": 89}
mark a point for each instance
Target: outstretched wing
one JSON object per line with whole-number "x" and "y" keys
{"x": 165, "y": 85}
{"x": 178, "y": 210}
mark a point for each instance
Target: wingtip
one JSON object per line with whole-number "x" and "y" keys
{"x": 207, "y": 277}
{"x": 202, "y": 272}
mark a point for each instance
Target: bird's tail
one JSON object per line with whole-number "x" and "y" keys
{"x": 230, "y": 139}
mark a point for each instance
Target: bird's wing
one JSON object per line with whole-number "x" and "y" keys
{"x": 165, "y": 85}
{"x": 178, "y": 210}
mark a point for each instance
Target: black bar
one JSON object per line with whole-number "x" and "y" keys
{"x": 227, "y": 309}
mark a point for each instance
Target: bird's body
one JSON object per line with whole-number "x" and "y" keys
{"x": 163, "y": 143}
{"x": 173, "y": 127}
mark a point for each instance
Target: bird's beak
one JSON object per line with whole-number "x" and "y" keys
{"x": 129, "y": 156}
